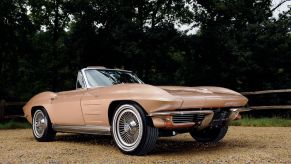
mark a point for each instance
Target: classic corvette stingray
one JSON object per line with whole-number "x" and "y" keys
{"x": 116, "y": 102}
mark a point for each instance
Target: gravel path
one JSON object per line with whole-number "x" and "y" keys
{"x": 241, "y": 145}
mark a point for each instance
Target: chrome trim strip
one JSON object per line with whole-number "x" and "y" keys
{"x": 209, "y": 112}
{"x": 234, "y": 112}
{"x": 85, "y": 78}
{"x": 240, "y": 109}
{"x": 83, "y": 129}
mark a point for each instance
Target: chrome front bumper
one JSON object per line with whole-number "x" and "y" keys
{"x": 187, "y": 119}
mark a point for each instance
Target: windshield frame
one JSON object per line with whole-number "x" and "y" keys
{"x": 87, "y": 85}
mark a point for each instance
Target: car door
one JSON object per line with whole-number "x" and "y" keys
{"x": 67, "y": 108}
{"x": 66, "y": 105}
{"x": 95, "y": 108}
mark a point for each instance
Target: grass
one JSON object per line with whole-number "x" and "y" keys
{"x": 14, "y": 124}
{"x": 262, "y": 122}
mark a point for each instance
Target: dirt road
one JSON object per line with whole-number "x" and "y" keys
{"x": 241, "y": 145}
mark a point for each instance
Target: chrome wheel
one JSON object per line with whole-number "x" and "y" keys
{"x": 127, "y": 127}
{"x": 39, "y": 124}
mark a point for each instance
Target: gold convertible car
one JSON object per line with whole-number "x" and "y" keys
{"x": 116, "y": 102}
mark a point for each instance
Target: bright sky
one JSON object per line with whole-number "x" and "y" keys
{"x": 282, "y": 8}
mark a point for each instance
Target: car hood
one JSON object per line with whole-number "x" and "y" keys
{"x": 202, "y": 90}
{"x": 188, "y": 97}
{"x": 206, "y": 96}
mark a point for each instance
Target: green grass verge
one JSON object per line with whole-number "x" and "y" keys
{"x": 262, "y": 122}
{"x": 14, "y": 124}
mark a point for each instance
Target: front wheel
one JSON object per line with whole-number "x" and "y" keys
{"x": 209, "y": 134}
{"x": 41, "y": 126}
{"x": 132, "y": 131}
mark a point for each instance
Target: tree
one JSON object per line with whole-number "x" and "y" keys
{"x": 230, "y": 35}
{"x": 15, "y": 47}
{"x": 52, "y": 18}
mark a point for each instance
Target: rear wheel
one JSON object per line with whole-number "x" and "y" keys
{"x": 209, "y": 134}
{"x": 41, "y": 126}
{"x": 132, "y": 131}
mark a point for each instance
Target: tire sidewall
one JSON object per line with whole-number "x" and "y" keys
{"x": 214, "y": 136}
{"x": 144, "y": 128}
{"x": 45, "y": 136}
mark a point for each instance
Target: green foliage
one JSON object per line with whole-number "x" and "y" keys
{"x": 262, "y": 122}
{"x": 16, "y": 31}
{"x": 239, "y": 45}
{"x": 14, "y": 124}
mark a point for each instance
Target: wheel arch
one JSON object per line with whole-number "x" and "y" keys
{"x": 34, "y": 108}
{"x": 114, "y": 104}
{"x": 48, "y": 133}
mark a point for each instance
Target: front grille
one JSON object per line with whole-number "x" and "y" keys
{"x": 187, "y": 118}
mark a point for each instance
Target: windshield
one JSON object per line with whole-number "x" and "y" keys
{"x": 109, "y": 77}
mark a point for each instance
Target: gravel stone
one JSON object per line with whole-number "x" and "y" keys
{"x": 241, "y": 145}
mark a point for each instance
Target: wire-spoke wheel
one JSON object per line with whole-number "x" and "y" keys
{"x": 131, "y": 130}
{"x": 41, "y": 126}
{"x": 39, "y": 123}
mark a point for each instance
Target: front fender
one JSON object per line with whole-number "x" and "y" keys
{"x": 42, "y": 99}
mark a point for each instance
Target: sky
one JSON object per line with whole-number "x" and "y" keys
{"x": 282, "y": 8}
{"x": 279, "y": 10}
{"x": 189, "y": 30}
